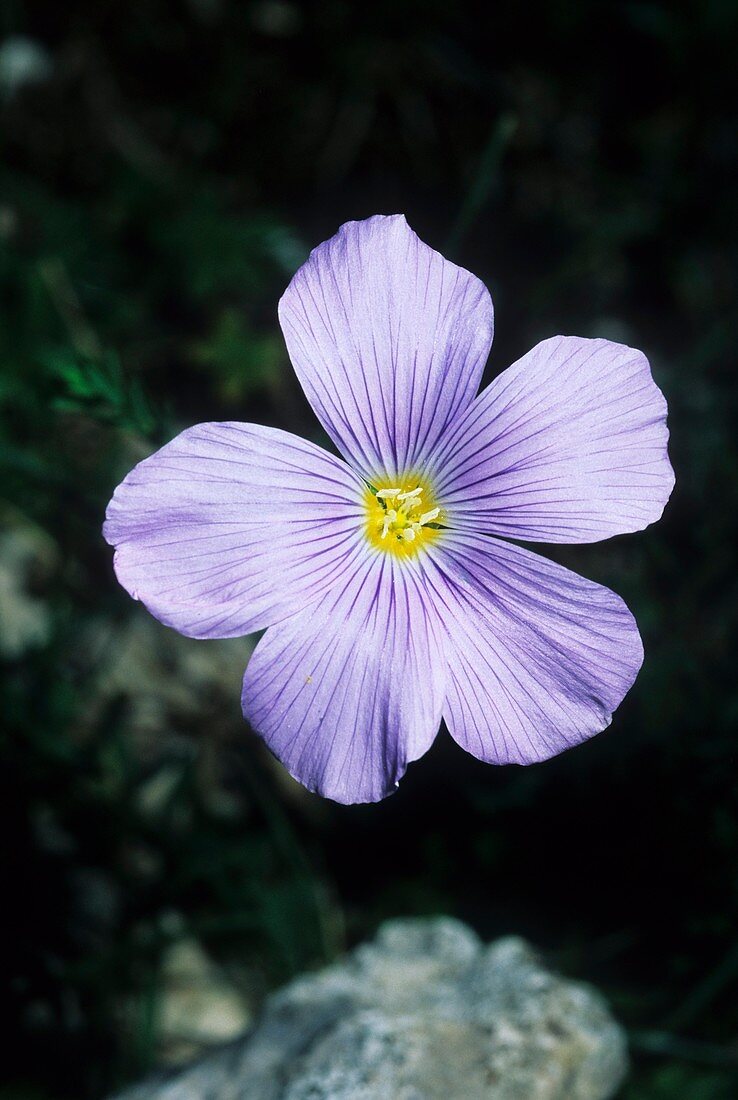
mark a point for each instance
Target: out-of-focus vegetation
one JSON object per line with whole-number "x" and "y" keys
{"x": 166, "y": 165}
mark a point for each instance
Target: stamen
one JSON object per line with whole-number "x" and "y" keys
{"x": 396, "y": 517}
{"x": 428, "y": 516}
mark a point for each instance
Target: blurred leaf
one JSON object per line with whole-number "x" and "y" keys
{"x": 242, "y": 361}
{"x": 100, "y": 389}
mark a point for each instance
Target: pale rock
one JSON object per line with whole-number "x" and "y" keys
{"x": 424, "y": 1012}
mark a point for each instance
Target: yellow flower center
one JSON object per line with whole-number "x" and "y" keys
{"x": 402, "y": 517}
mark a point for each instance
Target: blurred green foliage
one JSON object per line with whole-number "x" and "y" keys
{"x": 164, "y": 173}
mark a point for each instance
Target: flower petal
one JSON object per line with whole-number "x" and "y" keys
{"x": 231, "y": 527}
{"x": 538, "y": 657}
{"x": 388, "y": 339}
{"x": 347, "y": 694}
{"x": 567, "y": 445}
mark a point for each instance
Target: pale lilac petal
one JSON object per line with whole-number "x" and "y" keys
{"x": 538, "y": 657}
{"x": 389, "y": 341}
{"x": 567, "y": 445}
{"x": 231, "y": 527}
{"x": 348, "y": 693}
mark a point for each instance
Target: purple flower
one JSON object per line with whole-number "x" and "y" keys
{"x": 389, "y": 598}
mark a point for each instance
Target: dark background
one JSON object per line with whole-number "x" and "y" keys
{"x": 166, "y": 166}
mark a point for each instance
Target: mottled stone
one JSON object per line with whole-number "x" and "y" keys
{"x": 198, "y": 1006}
{"x": 426, "y": 1011}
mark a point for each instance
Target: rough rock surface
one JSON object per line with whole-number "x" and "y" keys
{"x": 424, "y": 1011}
